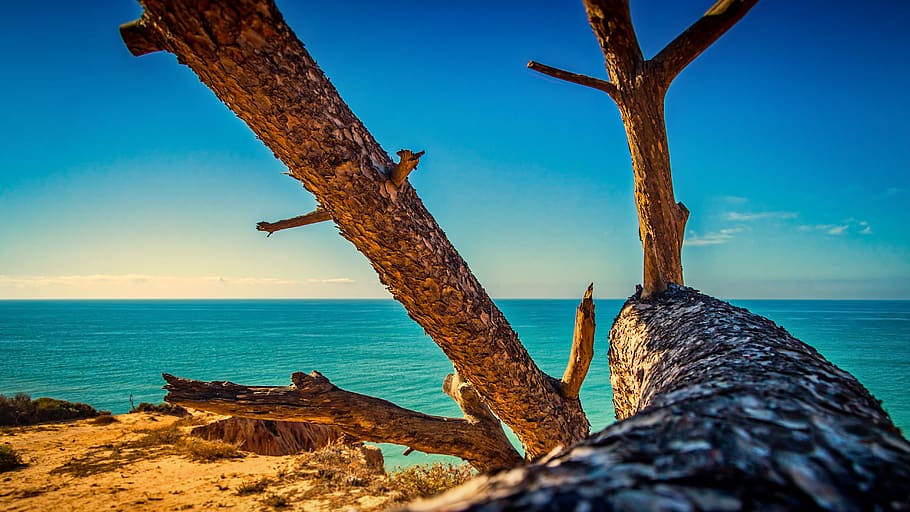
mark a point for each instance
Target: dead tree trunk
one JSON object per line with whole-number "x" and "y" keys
{"x": 246, "y": 54}
{"x": 638, "y": 87}
{"x": 724, "y": 410}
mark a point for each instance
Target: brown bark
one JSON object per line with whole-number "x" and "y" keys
{"x": 314, "y": 399}
{"x": 582, "y": 346}
{"x": 721, "y": 410}
{"x": 638, "y": 87}
{"x": 315, "y": 216}
{"x": 255, "y": 64}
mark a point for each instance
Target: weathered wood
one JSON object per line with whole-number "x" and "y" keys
{"x": 314, "y": 399}
{"x": 315, "y": 216}
{"x": 724, "y": 411}
{"x": 582, "y": 346}
{"x": 135, "y": 35}
{"x": 245, "y": 52}
{"x": 407, "y": 162}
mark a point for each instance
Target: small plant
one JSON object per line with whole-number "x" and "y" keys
{"x": 252, "y": 487}
{"x": 162, "y": 408}
{"x": 9, "y": 459}
{"x": 276, "y": 501}
{"x": 429, "y": 479}
{"x": 208, "y": 451}
{"x": 105, "y": 419}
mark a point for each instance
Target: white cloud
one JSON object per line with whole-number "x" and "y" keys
{"x": 717, "y": 238}
{"x": 850, "y": 225}
{"x": 145, "y": 285}
{"x": 734, "y": 199}
{"x": 753, "y": 216}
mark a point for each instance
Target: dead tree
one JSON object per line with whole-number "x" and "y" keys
{"x": 721, "y": 409}
{"x": 248, "y": 56}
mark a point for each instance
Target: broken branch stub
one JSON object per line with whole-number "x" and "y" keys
{"x": 582, "y": 346}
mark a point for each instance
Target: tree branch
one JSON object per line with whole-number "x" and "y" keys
{"x": 702, "y": 34}
{"x": 317, "y": 215}
{"x": 582, "y": 346}
{"x": 575, "y": 78}
{"x": 314, "y": 399}
{"x": 407, "y": 162}
{"x": 138, "y": 37}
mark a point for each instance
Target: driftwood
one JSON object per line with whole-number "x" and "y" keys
{"x": 269, "y": 437}
{"x": 724, "y": 410}
{"x": 312, "y": 398}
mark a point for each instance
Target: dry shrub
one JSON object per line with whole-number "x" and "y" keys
{"x": 104, "y": 419}
{"x": 9, "y": 459}
{"x": 208, "y": 451}
{"x": 429, "y": 479}
{"x": 276, "y": 501}
{"x": 253, "y": 487}
{"x": 162, "y": 408}
{"x": 20, "y": 410}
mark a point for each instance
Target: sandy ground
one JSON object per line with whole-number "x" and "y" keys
{"x": 87, "y": 466}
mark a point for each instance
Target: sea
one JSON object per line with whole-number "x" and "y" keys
{"x": 111, "y": 353}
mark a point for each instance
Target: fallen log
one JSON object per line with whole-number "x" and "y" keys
{"x": 721, "y": 410}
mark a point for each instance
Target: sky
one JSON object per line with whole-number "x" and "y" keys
{"x": 124, "y": 177}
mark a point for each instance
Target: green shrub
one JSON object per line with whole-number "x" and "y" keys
{"x": 9, "y": 459}
{"x": 162, "y": 408}
{"x": 22, "y": 410}
{"x": 429, "y": 479}
{"x": 50, "y": 409}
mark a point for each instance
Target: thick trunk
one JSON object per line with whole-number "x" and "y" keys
{"x": 255, "y": 64}
{"x": 724, "y": 411}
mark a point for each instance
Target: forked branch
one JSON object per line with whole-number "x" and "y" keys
{"x": 317, "y": 215}
{"x": 702, "y": 34}
{"x": 314, "y": 399}
{"x": 582, "y": 346}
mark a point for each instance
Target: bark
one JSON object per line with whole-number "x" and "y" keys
{"x": 582, "y": 346}
{"x": 639, "y": 86}
{"x": 724, "y": 410}
{"x": 253, "y": 62}
{"x": 314, "y": 399}
{"x": 315, "y": 216}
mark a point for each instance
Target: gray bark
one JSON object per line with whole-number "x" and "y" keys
{"x": 724, "y": 411}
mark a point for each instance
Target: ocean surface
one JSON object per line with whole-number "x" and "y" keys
{"x": 103, "y": 351}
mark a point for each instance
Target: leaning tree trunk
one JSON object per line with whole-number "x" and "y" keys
{"x": 724, "y": 410}
{"x": 245, "y": 52}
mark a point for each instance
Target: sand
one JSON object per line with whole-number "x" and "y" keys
{"x": 83, "y": 465}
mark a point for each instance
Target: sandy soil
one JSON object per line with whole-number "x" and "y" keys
{"x": 83, "y": 465}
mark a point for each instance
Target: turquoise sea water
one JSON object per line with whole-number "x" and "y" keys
{"x": 101, "y": 352}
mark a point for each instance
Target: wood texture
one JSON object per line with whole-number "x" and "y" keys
{"x": 314, "y": 399}
{"x": 246, "y": 54}
{"x": 724, "y": 410}
{"x": 315, "y": 216}
{"x": 582, "y": 346}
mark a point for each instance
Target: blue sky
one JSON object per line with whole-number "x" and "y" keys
{"x": 125, "y": 177}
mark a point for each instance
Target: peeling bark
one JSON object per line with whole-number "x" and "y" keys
{"x": 246, "y": 54}
{"x": 724, "y": 410}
